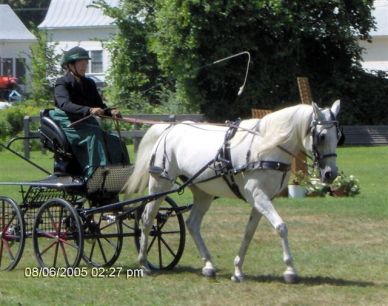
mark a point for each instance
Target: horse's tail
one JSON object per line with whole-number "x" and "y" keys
{"x": 139, "y": 178}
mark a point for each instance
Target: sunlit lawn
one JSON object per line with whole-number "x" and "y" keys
{"x": 340, "y": 246}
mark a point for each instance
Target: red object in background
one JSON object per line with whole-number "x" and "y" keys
{"x": 7, "y": 81}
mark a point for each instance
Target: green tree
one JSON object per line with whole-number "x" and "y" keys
{"x": 134, "y": 75}
{"x": 314, "y": 38}
{"x": 175, "y": 40}
{"x": 44, "y": 68}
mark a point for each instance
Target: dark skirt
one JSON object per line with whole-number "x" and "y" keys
{"x": 91, "y": 146}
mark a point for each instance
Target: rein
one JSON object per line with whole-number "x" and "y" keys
{"x": 316, "y": 158}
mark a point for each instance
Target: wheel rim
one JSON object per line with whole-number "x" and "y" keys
{"x": 11, "y": 234}
{"x": 103, "y": 239}
{"x": 57, "y": 235}
{"x": 167, "y": 237}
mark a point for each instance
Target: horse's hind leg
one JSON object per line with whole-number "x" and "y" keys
{"x": 249, "y": 232}
{"x": 148, "y": 216}
{"x": 201, "y": 204}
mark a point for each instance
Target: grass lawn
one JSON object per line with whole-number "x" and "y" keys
{"x": 340, "y": 247}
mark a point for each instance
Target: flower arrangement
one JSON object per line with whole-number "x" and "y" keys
{"x": 299, "y": 178}
{"x": 315, "y": 188}
{"x": 343, "y": 185}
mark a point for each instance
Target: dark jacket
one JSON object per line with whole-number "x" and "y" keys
{"x": 76, "y": 98}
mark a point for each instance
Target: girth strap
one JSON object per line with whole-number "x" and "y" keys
{"x": 226, "y": 158}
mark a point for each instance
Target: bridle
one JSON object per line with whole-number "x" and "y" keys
{"x": 318, "y": 137}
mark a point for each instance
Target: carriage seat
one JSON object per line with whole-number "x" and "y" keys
{"x": 54, "y": 139}
{"x": 52, "y": 136}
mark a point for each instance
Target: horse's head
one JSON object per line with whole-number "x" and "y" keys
{"x": 323, "y": 138}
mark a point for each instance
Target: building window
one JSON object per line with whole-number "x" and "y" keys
{"x": 96, "y": 62}
{"x": 20, "y": 68}
{"x": 6, "y": 66}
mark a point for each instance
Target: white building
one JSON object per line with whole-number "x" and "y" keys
{"x": 375, "y": 55}
{"x": 71, "y": 23}
{"x": 15, "y": 43}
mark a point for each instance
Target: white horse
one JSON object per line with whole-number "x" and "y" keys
{"x": 260, "y": 155}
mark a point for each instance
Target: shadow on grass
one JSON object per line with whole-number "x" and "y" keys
{"x": 307, "y": 280}
{"x": 314, "y": 281}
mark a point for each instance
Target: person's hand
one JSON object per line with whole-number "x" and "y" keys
{"x": 96, "y": 111}
{"x": 115, "y": 113}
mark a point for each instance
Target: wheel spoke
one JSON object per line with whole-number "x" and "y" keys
{"x": 160, "y": 253}
{"x": 64, "y": 254}
{"x": 8, "y": 248}
{"x": 56, "y": 253}
{"x": 49, "y": 247}
{"x": 12, "y": 234}
{"x": 152, "y": 243}
{"x": 92, "y": 248}
{"x": 167, "y": 246}
{"x": 102, "y": 250}
{"x": 57, "y": 235}
{"x": 1, "y": 251}
{"x": 106, "y": 237}
{"x": 169, "y": 231}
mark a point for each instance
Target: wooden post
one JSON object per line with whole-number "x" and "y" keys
{"x": 299, "y": 163}
{"x": 26, "y": 142}
{"x": 304, "y": 90}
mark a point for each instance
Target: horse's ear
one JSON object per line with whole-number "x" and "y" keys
{"x": 317, "y": 112}
{"x": 335, "y": 108}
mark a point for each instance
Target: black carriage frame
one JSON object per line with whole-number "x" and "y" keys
{"x": 64, "y": 230}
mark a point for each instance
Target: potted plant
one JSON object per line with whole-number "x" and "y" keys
{"x": 345, "y": 185}
{"x": 315, "y": 188}
{"x": 296, "y": 187}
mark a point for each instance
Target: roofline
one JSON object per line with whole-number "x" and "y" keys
{"x": 379, "y": 36}
{"x": 19, "y": 40}
{"x": 79, "y": 27}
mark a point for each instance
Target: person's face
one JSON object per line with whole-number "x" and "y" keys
{"x": 79, "y": 67}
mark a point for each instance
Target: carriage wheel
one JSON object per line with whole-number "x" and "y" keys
{"x": 57, "y": 235}
{"x": 167, "y": 237}
{"x": 103, "y": 236}
{"x": 11, "y": 233}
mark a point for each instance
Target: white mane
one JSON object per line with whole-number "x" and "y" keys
{"x": 282, "y": 126}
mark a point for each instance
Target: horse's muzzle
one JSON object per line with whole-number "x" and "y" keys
{"x": 328, "y": 174}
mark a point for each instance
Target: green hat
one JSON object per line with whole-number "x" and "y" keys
{"x": 74, "y": 54}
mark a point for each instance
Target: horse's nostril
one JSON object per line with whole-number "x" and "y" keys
{"x": 328, "y": 175}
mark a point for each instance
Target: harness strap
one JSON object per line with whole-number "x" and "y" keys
{"x": 264, "y": 165}
{"x": 225, "y": 157}
{"x": 258, "y": 165}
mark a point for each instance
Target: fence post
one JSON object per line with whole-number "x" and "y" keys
{"x": 136, "y": 141}
{"x": 26, "y": 141}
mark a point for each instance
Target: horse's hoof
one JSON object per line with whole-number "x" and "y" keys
{"x": 146, "y": 271}
{"x": 237, "y": 278}
{"x": 208, "y": 272}
{"x": 290, "y": 277}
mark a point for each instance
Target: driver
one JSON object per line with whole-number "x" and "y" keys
{"x": 76, "y": 97}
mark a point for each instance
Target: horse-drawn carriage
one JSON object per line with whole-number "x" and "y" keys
{"x": 67, "y": 217}
{"x": 70, "y": 217}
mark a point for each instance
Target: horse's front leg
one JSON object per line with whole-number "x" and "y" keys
{"x": 250, "y": 230}
{"x": 264, "y": 206}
